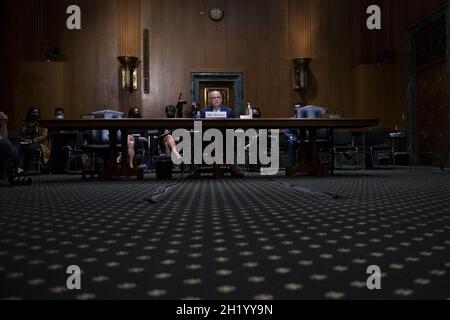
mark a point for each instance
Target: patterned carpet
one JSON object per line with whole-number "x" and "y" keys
{"x": 250, "y": 238}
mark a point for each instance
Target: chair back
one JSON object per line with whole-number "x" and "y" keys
{"x": 375, "y": 137}
{"x": 342, "y": 138}
{"x": 372, "y": 137}
{"x": 310, "y": 112}
{"x": 313, "y": 112}
{"x": 104, "y": 114}
{"x": 96, "y": 137}
{"x": 108, "y": 114}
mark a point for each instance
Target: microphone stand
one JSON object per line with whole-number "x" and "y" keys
{"x": 180, "y": 105}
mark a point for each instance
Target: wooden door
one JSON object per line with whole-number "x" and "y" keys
{"x": 430, "y": 104}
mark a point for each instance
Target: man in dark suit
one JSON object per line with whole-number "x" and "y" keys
{"x": 215, "y": 99}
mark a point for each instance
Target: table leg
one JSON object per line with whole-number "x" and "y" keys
{"x": 308, "y": 159}
{"x": 112, "y": 169}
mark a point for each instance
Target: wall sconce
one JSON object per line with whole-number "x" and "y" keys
{"x": 129, "y": 72}
{"x": 301, "y": 76}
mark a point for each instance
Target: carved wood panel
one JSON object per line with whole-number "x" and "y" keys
{"x": 430, "y": 102}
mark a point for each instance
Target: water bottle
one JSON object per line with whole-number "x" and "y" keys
{"x": 249, "y": 110}
{"x": 198, "y": 115}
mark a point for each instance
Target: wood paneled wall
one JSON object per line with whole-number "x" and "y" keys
{"x": 89, "y": 54}
{"x": 16, "y": 32}
{"x": 251, "y": 38}
{"x": 448, "y": 88}
{"x": 300, "y": 35}
{"x": 258, "y": 37}
{"x": 7, "y": 58}
{"x": 334, "y": 55}
{"x": 397, "y": 17}
{"x": 39, "y": 29}
{"x": 379, "y": 94}
{"x": 300, "y": 25}
{"x": 129, "y": 44}
{"x": 42, "y": 84}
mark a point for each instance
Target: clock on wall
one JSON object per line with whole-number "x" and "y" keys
{"x": 216, "y": 14}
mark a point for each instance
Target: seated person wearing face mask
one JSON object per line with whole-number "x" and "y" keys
{"x": 61, "y": 142}
{"x": 33, "y": 138}
{"x": 195, "y": 111}
{"x": 137, "y": 138}
{"x": 59, "y": 113}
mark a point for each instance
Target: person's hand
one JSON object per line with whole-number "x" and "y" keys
{"x": 3, "y": 117}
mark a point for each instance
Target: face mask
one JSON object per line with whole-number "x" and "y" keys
{"x": 34, "y": 116}
{"x": 60, "y": 117}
